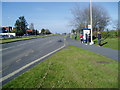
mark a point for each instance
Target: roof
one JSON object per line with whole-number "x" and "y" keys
{"x": 7, "y": 28}
{"x": 29, "y": 30}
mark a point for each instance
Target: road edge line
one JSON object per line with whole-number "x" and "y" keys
{"x": 27, "y": 65}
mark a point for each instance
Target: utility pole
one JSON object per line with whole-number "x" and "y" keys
{"x": 91, "y": 22}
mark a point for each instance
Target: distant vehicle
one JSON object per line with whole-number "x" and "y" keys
{"x": 26, "y": 34}
{"x": 4, "y": 36}
{"x": 11, "y": 36}
{"x": 7, "y": 34}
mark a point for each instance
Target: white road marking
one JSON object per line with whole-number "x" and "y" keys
{"x": 4, "y": 69}
{"x": 16, "y": 46}
{"x": 18, "y": 60}
{"x": 39, "y": 59}
{"x": 7, "y": 48}
{"x": 26, "y": 55}
{"x": 19, "y": 45}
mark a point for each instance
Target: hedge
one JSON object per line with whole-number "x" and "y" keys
{"x": 110, "y": 34}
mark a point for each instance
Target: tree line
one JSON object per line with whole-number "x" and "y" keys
{"x": 21, "y": 28}
{"x": 81, "y": 19}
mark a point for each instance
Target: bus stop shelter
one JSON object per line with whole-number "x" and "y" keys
{"x": 85, "y": 31}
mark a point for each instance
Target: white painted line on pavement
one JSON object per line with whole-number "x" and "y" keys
{"x": 16, "y": 46}
{"x": 18, "y": 60}
{"x": 4, "y": 69}
{"x": 19, "y": 45}
{"x": 6, "y": 48}
{"x": 39, "y": 59}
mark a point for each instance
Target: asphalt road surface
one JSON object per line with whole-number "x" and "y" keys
{"x": 17, "y": 54}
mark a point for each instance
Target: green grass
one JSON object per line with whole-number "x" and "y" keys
{"x": 6, "y": 40}
{"x": 71, "y": 67}
{"x": 65, "y": 36}
{"x": 78, "y": 37}
{"x": 111, "y": 43}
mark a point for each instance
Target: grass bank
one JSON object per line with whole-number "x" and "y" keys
{"x": 71, "y": 67}
{"x": 109, "y": 42}
{"x": 7, "y": 40}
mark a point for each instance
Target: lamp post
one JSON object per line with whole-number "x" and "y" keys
{"x": 8, "y": 24}
{"x": 91, "y": 22}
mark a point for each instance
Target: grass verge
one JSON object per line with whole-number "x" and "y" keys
{"x": 109, "y": 42}
{"x": 71, "y": 67}
{"x": 7, "y": 40}
{"x": 64, "y": 36}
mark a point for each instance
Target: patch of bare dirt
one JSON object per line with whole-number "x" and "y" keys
{"x": 103, "y": 62}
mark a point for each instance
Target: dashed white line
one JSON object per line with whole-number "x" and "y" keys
{"x": 18, "y": 60}
{"x": 7, "y": 48}
{"x": 3, "y": 69}
{"x": 16, "y": 46}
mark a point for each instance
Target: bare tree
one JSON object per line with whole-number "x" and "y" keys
{"x": 115, "y": 24}
{"x": 31, "y": 26}
{"x": 81, "y": 17}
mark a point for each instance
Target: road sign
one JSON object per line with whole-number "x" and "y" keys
{"x": 89, "y": 26}
{"x": 85, "y": 32}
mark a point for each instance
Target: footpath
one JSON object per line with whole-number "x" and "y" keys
{"x": 107, "y": 52}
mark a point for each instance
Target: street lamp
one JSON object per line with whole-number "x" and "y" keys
{"x": 91, "y": 22}
{"x": 8, "y": 24}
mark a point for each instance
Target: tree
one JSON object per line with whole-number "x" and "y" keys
{"x": 36, "y": 32}
{"x": 73, "y": 31}
{"x": 43, "y": 31}
{"x": 31, "y": 26}
{"x": 47, "y": 31}
{"x": 21, "y": 26}
{"x": 115, "y": 24}
{"x": 81, "y": 17}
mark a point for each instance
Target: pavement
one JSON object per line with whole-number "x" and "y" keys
{"x": 107, "y": 52}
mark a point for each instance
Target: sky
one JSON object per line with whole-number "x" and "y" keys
{"x": 55, "y": 16}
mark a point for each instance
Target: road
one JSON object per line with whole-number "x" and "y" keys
{"x": 18, "y": 54}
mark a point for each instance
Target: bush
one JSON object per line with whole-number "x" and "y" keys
{"x": 109, "y": 34}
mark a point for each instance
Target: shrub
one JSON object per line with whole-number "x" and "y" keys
{"x": 110, "y": 34}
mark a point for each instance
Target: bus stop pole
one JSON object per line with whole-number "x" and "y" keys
{"x": 91, "y": 22}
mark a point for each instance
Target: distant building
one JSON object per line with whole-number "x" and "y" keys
{"x": 5, "y": 29}
{"x": 0, "y": 29}
{"x": 29, "y": 30}
{"x": 5, "y": 32}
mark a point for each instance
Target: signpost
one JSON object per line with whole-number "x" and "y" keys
{"x": 91, "y": 22}
{"x": 89, "y": 26}
{"x": 84, "y": 32}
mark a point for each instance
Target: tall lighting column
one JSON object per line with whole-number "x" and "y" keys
{"x": 91, "y": 22}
